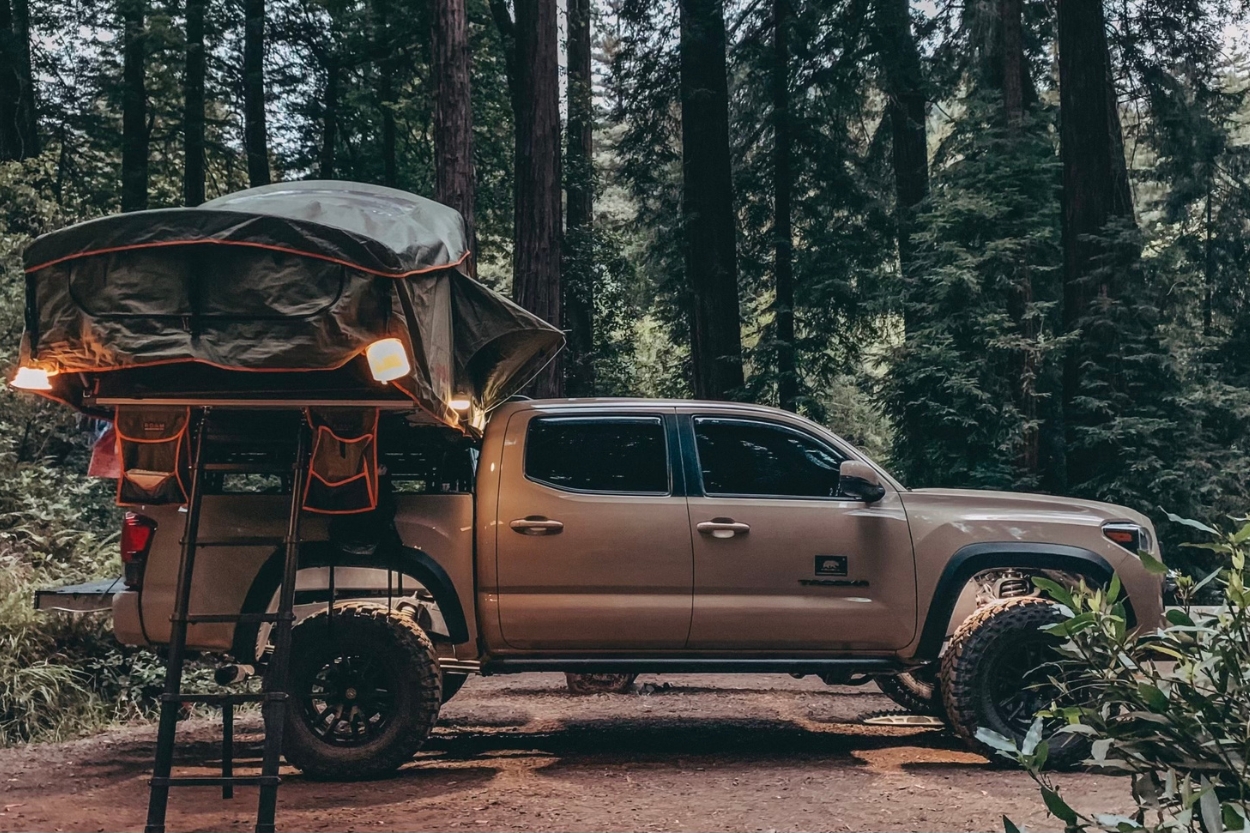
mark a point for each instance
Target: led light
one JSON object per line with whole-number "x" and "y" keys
{"x": 388, "y": 359}
{"x": 31, "y": 378}
{"x": 460, "y": 404}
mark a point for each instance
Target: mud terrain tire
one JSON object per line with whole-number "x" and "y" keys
{"x": 986, "y": 675}
{"x": 599, "y": 683}
{"x": 918, "y": 691}
{"x": 365, "y": 693}
{"x": 453, "y": 681}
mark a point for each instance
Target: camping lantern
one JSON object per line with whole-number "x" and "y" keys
{"x": 31, "y": 378}
{"x": 460, "y": 403}
{"x": 388, "y": 360}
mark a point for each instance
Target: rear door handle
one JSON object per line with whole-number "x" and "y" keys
{"x": 723, "y": 528}
{"x": 536, "y": 525}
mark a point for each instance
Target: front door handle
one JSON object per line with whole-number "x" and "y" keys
{"x": 536, "y": 525}
{"x": 723, "y": 528}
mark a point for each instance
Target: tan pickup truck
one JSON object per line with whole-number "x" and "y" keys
{"x": 621, "y": 536}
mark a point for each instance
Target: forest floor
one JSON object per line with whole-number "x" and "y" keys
{"x": 694, "y": 752}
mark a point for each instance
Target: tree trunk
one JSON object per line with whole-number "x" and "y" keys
{"x": 536, "y": 258}
{"x": 134, "y": 108}
{"x": 27, "y": 116}
{"x": 579, "y": 295}
{"x": 900, "y": 60}
{"x": 255, "y": 136}
{"x": 384, "y": 54}
{"x": 783, "y": 244}
{"x": 708, "y": 201}
{"x": 1014, "y": 66}
{"x": 453, "y": 111}
{"x": 1095, "y": 178}
{"x": 193, "y": 107}
{"x": 329, "y": 120}
{"x": 10, "y": 92}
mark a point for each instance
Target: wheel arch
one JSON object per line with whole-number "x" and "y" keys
{"x": 972, "y": 559}
{"x": 407, "y": 561}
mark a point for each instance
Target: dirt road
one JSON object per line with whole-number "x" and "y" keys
{"x": 518, "y": 753}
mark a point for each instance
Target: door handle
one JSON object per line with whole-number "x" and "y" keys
{"x": 536, "y": 525}
{"x": 723, "y": 528}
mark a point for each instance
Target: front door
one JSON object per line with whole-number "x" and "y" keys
{"x": 782, "y": 561}
{"x": 593, "y": 537}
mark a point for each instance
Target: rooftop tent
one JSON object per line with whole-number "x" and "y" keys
{"x": 275, "y": 292}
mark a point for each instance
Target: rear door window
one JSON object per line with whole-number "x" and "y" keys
{"x": 616, "y": 455}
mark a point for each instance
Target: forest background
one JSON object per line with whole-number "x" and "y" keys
{"x": 996, "y": 243}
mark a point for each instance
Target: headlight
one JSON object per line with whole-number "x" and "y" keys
{"x": 1133, "y": 537}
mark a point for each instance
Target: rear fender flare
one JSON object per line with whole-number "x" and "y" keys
{"x": 976, "y": 558}
{"x": 407, "y": 561}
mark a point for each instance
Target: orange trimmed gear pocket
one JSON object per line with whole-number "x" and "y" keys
{"x": 153, "y": 450}
{"x": 343, "y": 468}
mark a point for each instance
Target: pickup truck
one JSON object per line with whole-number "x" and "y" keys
{"x": 626, "y": 536}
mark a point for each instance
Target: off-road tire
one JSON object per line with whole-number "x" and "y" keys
{"x": 984, "y": 646}
{"x": 453, "y": 681}
{"x": 599, "y": 683}
{"x": 914, "y": 691}
{"x": 380, "y": 646}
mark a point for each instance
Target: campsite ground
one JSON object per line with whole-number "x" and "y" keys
{"x": 518, "y": 753}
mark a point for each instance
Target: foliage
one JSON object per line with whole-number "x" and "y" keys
{"x": 1170, "y": 707}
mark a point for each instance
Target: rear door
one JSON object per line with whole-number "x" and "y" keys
{"x": 782, "y": 561}
{"x": 593, "y": 534}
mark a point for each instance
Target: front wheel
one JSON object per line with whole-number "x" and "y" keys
{"x": 365, "y": 693}
{"x": 996, "y": 675}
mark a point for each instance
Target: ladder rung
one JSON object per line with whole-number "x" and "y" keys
{"x": 217, "y": 781}
{"x": 222, "y": 697}
{"x": 233, "y": 618}
{"x": 241, "y": 541}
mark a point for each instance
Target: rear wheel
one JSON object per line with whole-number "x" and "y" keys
{"x": 996, "y": 675}
{"x": 365, "y": 693}
{"x": 600, "y": 683}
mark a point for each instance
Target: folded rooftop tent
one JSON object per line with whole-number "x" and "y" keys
{"x": 275, "y": 293}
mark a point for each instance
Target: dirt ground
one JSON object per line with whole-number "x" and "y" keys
{"x": 519, "y": 753}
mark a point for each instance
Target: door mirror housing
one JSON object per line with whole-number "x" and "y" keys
{"x": 860, "y": 481}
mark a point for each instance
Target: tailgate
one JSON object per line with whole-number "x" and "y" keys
{"x": 80, "y": 598}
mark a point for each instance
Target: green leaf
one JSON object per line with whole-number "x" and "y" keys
{"x": 994, "y": 740}
{"x": 1009, "y": 826}
{"x": 1209, "y": 807}
{"x": 1032, "y": 738}
{"x": 1189, "y": 522}
{"x": 1113, "y": 592}
{"x": 1179, "y": 617}
{"x": 1058, "y": 807}
{"x": 1055, "y": 590}
{"x": 1152, "y": 564}
{"x": 1040, "y": 756}
{"x": 1155, "y": 699}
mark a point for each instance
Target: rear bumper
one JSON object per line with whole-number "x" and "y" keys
{"x": 79, "y": 598}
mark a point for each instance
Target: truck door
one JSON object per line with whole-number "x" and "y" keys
{"x": 782, "y": 562}
{"x": 593, "y": 536}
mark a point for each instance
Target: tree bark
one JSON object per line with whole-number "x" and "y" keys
{"x": 1014, "y": 66}
{"x": 134, "y": 107}
{"x": 27, "y": 115}
{"x": 707, "y": 202}
{"x": 255, "y": 135}
{"x": 1096, "y": 189}
{"x": 453, "y": 111}
{"x": 193, "y": 107}
{"x": 384, "y": 52}
{"x": 900, "y": 60}
{"x": 536, "y": 258}
{"x": 579, "y": 299}
{"x": 329, "y": 120}
{"x": 10, "y": 92}
{"x": 783, "y": 244}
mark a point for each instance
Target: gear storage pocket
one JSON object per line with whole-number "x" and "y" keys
{"x": 343, "y": 469}
{"x": 153, "y": 448}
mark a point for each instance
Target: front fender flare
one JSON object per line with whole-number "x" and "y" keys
{"x": 976, "y": 558}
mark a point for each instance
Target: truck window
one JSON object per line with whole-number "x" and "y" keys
{"x": 620, "y": 455}
{"x": 748, "y": 458}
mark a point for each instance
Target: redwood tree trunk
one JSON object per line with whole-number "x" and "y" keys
{"x": 579, "y": 295}
{"x": 27, "y": 117}
{"x": 329, "y": 120}
{"x": 707, "y": 202}
{"x": 1014, "y": 67}
{"x": 453, "y": 111}
{"x": 783, "y": 244}
{"x": 193, "y": 106}
{"x": 10, "y": 92}
{"x": 536, "y": 258}
{"x": 134, "y": 108}
{"x": 255, "y": 137}
{"x": 1095, "y": 180}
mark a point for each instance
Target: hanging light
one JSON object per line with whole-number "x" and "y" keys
{"x": 388, "y": 360}
{"x": 461, "y": 403}
{"x": 31, "y": 378}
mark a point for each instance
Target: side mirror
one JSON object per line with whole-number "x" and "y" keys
{"x": 860, "y": 481}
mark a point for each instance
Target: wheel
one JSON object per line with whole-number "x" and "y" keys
{"x": 365, "y": 693}
{"x": 600, "y": 683}
{"x": 453, "y": 681}
{"x": 995, "y": 675}
{"x": 916, "y": 690}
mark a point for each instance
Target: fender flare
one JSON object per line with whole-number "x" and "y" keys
{"x": 976, "y": 558}
{"x": 407, "y": 561}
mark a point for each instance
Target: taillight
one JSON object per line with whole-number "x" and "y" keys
{"x": 137, "y": 534}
